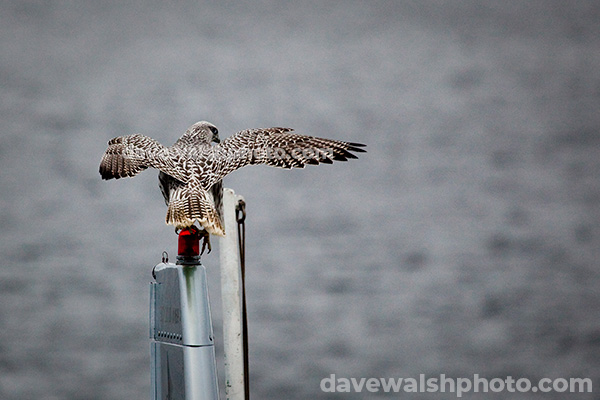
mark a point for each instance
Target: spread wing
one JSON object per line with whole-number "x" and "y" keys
{"x": 276, "y": 147}
{"x": 131, "y": 154}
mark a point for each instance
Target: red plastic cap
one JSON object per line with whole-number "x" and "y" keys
{"x": 189, "y": 243}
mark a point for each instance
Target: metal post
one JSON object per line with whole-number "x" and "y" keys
{"x": 231, "y": 298}
{"x": 182, "y": 343}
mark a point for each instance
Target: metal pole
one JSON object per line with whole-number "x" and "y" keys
{"x": 182, "y": 342}
{"x": 233, "y": 338}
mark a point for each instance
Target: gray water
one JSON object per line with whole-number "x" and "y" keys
{"x": 466, "y": 241}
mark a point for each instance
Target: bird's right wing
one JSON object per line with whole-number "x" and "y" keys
{"x": 277, "y": 147}
{"x": 131, "y": 154}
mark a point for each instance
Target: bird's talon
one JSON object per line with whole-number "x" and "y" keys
{"x": 205, "y": 242}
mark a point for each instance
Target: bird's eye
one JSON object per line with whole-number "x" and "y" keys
{"x": 214, "y": 130}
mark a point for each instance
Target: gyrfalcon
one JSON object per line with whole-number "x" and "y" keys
{"x": 191, "y": 171}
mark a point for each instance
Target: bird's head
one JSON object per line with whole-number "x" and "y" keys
{"x": 204, "y": 132}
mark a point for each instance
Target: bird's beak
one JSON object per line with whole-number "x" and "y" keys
{"x": 216, "y": 140}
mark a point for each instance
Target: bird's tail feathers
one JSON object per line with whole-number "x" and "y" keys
{"x": 189, "y": 208}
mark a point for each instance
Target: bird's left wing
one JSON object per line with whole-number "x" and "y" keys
{"x": 131, "y": 154}
{"x": 277, "y": 147}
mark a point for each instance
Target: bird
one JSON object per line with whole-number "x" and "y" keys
{"x": 192, "y": 169}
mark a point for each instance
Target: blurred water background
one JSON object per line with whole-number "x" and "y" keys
{"x": 465, "y": 241}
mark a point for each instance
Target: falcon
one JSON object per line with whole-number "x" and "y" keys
{"x": 191, "y": 170}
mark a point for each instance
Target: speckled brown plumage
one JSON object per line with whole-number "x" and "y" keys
{"x": 191, "y": 171}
